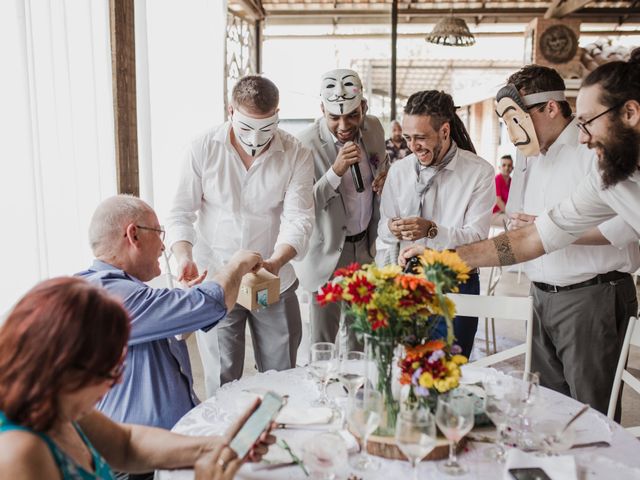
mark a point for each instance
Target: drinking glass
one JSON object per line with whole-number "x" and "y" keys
{"x": 322, "y": 366}
{"x": 351, "y": 371}
{"x": 497, "y": 408}
{"x": 363, "y": 414}
{"x": 454, "y": 416}
{"x": 522, "y": 396}
{"x": 325, "y": 455}
{"x": 415, "y": 436}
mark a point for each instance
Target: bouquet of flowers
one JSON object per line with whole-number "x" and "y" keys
{"x": 396, "y": 308}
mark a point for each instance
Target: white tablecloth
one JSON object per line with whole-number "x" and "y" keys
{"x": 212, "y": 417}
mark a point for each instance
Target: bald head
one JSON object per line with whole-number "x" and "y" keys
{"x": 110, "y": 220}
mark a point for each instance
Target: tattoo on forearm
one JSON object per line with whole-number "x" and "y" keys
{"x": 503, "y": 248}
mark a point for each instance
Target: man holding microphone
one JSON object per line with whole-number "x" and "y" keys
{"x": 350, "y": 165}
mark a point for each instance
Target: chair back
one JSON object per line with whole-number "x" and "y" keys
{"x": 508, "y": 308}
{"x": 631, "y": 337}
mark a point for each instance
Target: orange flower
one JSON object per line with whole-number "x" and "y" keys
{"x": 412, "y": 282}
{"x": 419, "y": 351}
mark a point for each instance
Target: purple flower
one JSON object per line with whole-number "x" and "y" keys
{"x": 416, "y": 376}
{"x": 456, "y": 349}
{"x": 435, "y": 356}
{"x": 421, "y": 392}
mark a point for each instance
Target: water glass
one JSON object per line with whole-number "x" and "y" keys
{"x": 363, "y": 414}
{"x": 454, "y": 417}
{"x": 522, "y": 396}
{"x": 352, "y": 371}
{"x": 497, "y": 408}
{"x": 322, "y": 366}
{"x": 415, "y": 436}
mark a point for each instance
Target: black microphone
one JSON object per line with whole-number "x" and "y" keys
{"x": 357, "y": 177}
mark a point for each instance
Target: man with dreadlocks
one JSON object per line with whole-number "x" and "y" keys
{"x": 441, "y": 196}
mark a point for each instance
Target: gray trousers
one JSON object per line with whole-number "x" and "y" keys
{"x": 325, "y": 321}
{"x": 577, "y": 337}
{"x": 276, "y": 332}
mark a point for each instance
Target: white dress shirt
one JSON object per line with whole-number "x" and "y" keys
{"x": 459, "y": 201}
{"x": 269, "y": 204}
{"x": 541, "y": 182}
{"x": 358, "y": 205}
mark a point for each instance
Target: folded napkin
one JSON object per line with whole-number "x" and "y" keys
{"x": 290, "y": 415}
{"x": 557, "y": 468}
{"x": 472, "y": 374}
{"x": 591, "y": 427}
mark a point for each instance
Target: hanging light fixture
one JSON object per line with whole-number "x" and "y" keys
{"x": 451, "y": 31}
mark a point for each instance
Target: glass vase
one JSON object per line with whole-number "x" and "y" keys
{"x": 383, "y": 376}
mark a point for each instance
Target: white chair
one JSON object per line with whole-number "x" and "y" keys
{"x": 632, "y": 337}
{"x": 508, "y": 308}
{"x": 495, "y": 274}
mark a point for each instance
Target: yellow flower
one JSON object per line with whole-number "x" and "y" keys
{"x": 449, "y": 259}
{"x": 426, "y": 380}
{"x": 459, "y": 359}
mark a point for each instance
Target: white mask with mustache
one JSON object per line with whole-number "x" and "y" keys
{"x": 254, "y": 134}
{"x": 341, "y": 91}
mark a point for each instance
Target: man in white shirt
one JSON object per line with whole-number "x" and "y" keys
{"x": 344, "y": 139}
{"x": 441, "y": 196}
{"x": 583, "y": 295}
{"x": 246, "y": 184}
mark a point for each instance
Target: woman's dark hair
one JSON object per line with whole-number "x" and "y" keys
{"x": 440, "y": 108}
{"x": 64, "y": 334}
{"x": 619, "y": 81}
{"x": 535, "y": 79}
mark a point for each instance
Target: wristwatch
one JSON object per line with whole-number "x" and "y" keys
{"x": 432, "y": 232}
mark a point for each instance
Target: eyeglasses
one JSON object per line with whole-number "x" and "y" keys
{"x": 583, "y": 125}
{"x": 160, "y": 230}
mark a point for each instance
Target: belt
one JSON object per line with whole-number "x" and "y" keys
{"x": 355, "y": 238}
{"x": 598, "y": 279}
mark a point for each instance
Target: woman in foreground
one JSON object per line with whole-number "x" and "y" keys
{"x": 61, "y": 349}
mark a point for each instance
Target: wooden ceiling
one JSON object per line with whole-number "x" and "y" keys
{"x": 429, "y": 11}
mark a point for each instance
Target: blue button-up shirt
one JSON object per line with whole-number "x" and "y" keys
{"x": 157, "y": 385}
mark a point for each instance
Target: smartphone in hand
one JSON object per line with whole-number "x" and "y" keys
{"x": 256, "y": 424}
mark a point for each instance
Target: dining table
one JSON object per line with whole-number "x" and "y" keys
{"x": 611, "y": 452}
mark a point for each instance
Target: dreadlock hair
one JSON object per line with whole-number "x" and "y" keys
{"x": 619, "y": 81}
{"x": 439, "y": 107}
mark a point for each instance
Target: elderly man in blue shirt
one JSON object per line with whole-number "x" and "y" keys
{"x": 157, "y": 385}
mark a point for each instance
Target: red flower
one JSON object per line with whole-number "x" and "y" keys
{"x": 347, "y": 271}
{"x": 330, "y": 293}
{"x": 377, "y": 319}
{"x": 361, "y": 290}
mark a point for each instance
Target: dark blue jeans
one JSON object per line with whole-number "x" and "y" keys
{"x": 464, "y": 328}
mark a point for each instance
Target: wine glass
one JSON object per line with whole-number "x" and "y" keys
{"x": 363, "y": 414}
{"x": 455, "y": 417}
{"x": 415, "y": 436}
{"x": 522, "y": 396}
{"x": 497, "y": 408}
{"x": 322, "y": 367}
{"x": 351, "y": 371}
{"x": 325, "y": 455}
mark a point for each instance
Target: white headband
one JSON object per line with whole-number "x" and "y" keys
{"x": 541, "y": 97}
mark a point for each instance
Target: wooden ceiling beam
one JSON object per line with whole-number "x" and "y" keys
{"x": 565, "y": 8}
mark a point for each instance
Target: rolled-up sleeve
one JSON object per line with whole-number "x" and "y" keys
{"x": 298, "y": 215}
{"x": 569, "y": 219}
{"x": 187, "y": 201}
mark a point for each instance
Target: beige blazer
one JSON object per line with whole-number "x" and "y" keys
{"x": 329, "y": 232}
